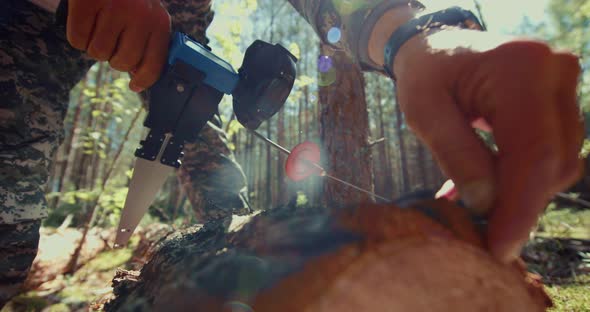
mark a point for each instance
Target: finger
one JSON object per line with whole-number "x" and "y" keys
{"x": 529, "y": 155}
{"x": 81, "y": 20}
{"x": 458, "y": 150}
{"x": 153, "y": 62}
{"x": 107, "y": 29}
{"x": 130, "y": 49}
{"x": 572, "y": 127}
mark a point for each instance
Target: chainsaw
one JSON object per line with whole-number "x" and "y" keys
{"x": 186, "y": 97}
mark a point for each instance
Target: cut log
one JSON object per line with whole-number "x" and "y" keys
{"x": 428, "y": 257}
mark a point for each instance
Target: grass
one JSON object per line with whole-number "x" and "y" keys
{"x": 564, "y": 222}
{"x": 573, "y": 297}
{"x": 89, "y": 283}
{"x": 567, "y": 222}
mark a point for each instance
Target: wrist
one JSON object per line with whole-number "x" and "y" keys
{"x": 384, "y": 27}
{"x": 423, "y": 25}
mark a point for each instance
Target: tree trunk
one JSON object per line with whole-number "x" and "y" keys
{"x": 281, "y": 190}
{"x": 383, "y": 166}
{"x": 100, "y": 124}
{"x": 72, "y": 137}
{"x": 405, "y": 177}
{"x": 422, "y": 164}
{"x": 344, "y": 132}
{"x": 366, "y": 258}
{"x": 84, "y": 160}
{"x": 268, "y": 180}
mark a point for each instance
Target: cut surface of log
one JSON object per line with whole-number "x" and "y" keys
{"x": 428, "y": 257}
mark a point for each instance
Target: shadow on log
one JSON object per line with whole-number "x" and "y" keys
{"x": 369, "y": 258}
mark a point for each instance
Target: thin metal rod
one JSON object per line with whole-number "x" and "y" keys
{"x": 316, "y": 165}
{"x": 268, "y": 141}
{"x": 355, "y": 187}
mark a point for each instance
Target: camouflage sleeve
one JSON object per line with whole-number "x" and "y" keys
{"x": 191, "y": 17}
{"x": 38, "y": 69}
{"x": 18, "y": 248}
{"x": 346, "y": 25}
{"x": 214, "y": 182}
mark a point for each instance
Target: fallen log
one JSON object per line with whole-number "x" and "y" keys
{"x": 429, "y": 257}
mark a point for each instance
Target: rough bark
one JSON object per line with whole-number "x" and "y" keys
{"x": 365, "y": 258}
{"x": 344, "y": 130}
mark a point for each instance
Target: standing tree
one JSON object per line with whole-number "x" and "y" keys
{"x": 344, "y": 127}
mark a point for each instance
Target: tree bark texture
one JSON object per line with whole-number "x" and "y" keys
{"x": 344, "y": 130}
{"x": 425, "y": 257}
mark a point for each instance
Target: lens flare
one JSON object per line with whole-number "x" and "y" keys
{"x": 327, "y": 78}
{"x": 334, "y": 35}
{"x": 237, "y": 306}
{"x": 324, "y": 63}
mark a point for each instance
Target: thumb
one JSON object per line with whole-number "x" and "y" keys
{"x": 436, "y": 119}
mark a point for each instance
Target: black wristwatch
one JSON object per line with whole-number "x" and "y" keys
{"x": 454, "y": 16}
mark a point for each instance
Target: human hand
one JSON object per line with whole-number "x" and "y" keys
{"x": 132, "y": 35}
{"x": 525, "y": 92}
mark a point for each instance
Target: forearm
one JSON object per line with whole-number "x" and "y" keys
{"x": 383, "y": 29}
{"x": 365, "y": 29}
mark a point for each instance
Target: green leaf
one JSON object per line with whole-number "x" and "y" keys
{"x": 304, "y": 80}
{"x": 301, "y": 199}
{"x": 95, "y": 135}
{"x": 233, "y": 128}
{"x": 294, "y": 49}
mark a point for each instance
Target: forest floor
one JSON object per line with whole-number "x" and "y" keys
{"x": 564, "y": 265}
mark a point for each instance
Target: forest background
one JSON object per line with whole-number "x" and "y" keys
{"x": 93, "y": 166}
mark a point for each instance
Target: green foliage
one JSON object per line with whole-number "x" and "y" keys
{"x": 564, "y": 223}
{"x": 301, "y": 199}
{"x": 233, "y": 128}
{"x": 567, "y": 28}
{"x": 585, "y": 149}
{"x": 295, "y": 50}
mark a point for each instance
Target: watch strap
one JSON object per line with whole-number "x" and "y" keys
{"x": 454, "y": 16}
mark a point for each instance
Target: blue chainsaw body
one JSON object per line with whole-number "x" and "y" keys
{"x": 184, "y": 99}
{"x": 219, "y": 74}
